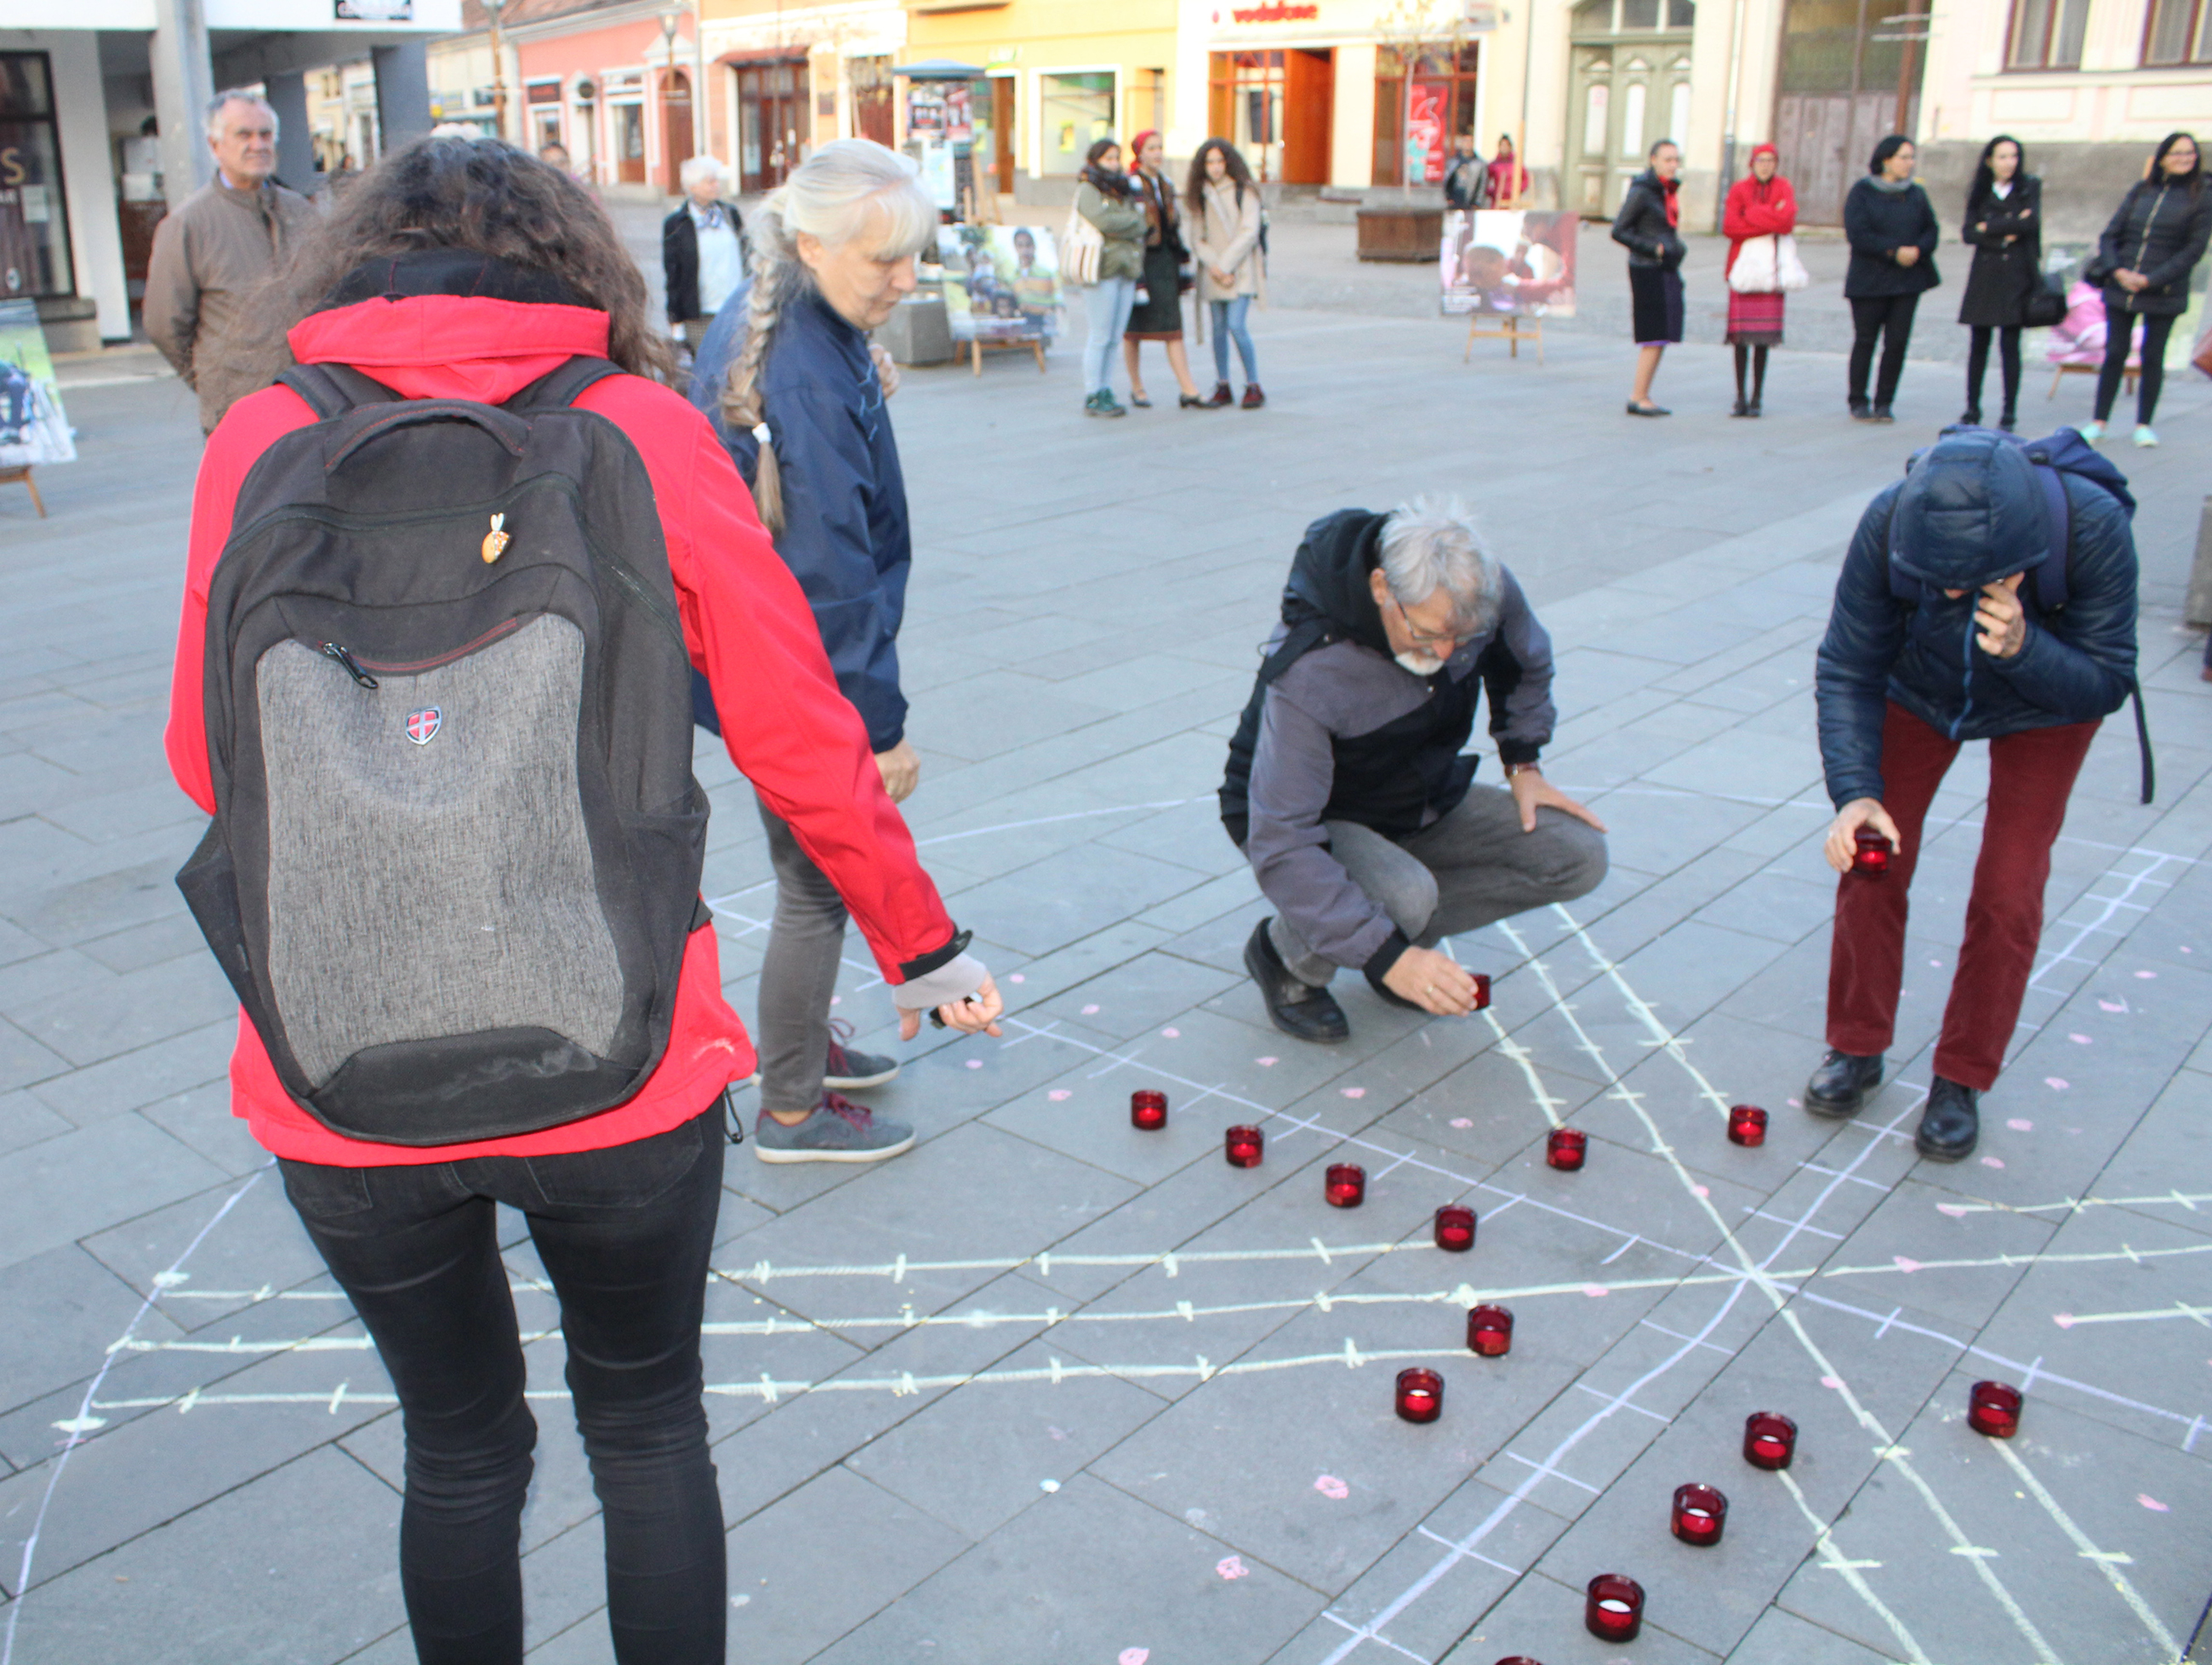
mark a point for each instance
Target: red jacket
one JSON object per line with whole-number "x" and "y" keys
{"x": 1756, "y": 211}
{"x": 747, "y": 625}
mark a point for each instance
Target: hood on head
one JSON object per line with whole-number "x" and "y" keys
{"x": 1329, "y": 576}
{"x": 1971, "y": 512}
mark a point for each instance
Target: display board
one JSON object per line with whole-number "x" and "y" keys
{"x": 1508, "y": 263}
{"x": 34, "y": 431}
{"x": 1001, "y": 283}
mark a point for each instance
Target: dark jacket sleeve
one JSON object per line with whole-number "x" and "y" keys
{"x": 2020, "y": 215}
{"x": 1516, "y": 676}
{"x": 1641, "y": 227}
{"x": 2176, "y": 266}
{"x": 2109, "y": 258}
{"x": 2085, "y": 672}
{"x": 1929, "y": 232}
{"x": 1859, "y": 228}
{"x": 1851, "y": 683}
{"x": 679, "y": 266}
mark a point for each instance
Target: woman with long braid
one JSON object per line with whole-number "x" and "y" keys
{"x": 788, "y": 381}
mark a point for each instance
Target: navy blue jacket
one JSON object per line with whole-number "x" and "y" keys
{"x": 1971, "y": 512}
{"x": 845, "y": 530}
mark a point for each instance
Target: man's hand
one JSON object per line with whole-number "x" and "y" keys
{"x": 1909, "y": 255}
{"x": 1435, "y": 982}
{"x": 1843, "y": 845}
{"x": 978, "y": 1014}
{"x": 887, "y": 370}
{"x": 901, "y": 771}
{"x": 2000, "y": 622}
{"x": 1530, "y": 790}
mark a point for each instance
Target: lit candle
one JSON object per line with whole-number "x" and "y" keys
{"x": 1481, "y": 990}
{"x": 1614, "y": 1611}
{"x": 1456, "y": 1228}
{"x": 1870, "y": 859}
{"x": 1700, "y": 1513}
{"x": 1420, "y": 1394}
{"x": 1245, "y": 1146}
{"x": 1769, "y": 1439}
{"x": 1148, "y": 1109}
{"x": 1747, "y": 1125}
{"x": 1564, "y": 1149}
{"x": 1993, "y": 1408}
{"x": 1490, "y": 1331}
{"x": 1345, "y": 1185}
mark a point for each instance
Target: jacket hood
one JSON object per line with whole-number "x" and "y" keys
{"x": 1328, "y": 577}
{"x": 451, "y": 324}
{"x": 1969, "y": 511}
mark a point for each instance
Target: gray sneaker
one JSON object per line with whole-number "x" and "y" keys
{"x": 838, "y": 1131}
{"x": 847, "y": 1069}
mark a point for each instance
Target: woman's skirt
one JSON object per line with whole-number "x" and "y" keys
{"x": 1159, "y": 317}
{"x": 1656, "y": 305}
{"x": 1755, "y": 320}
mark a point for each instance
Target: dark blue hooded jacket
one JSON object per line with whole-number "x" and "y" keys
{"x": 1971, "y": 512}
{"x": 845, "y": 530}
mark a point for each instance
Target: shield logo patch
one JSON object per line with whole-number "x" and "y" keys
{"x": 423, "y": 725}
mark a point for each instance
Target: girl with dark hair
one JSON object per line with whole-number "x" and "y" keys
{"x": 2147, "y": 251}
{"x": 1158, "y": 316}
{"x": 1509, "y": 180}
{"x": 464, "y": 269}
{"x": 1892, "y": 229}
{"x": 2004, "y": 223}
{"x": 1760, "y": 204}
{"x": 1647, "y": 227}
{"x": 1105, "y": 197}
{"x": 1232, "y": 270}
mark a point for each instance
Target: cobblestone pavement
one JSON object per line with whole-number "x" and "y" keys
{"x": 1050, "y": 1390}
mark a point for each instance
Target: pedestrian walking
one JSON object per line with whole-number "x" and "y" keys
{"x": 220, "y": 245}
{"x": 1760, "y": 204}
{"x": 2004, "y": 223}
{"x": 1467, "y": 181}
{"x": 794, "y": 395}
{"x": 453, "y": 868}
{"x": 1233, "y": 261}
{"x": 1647, "y": 227}
{"x": 1509, "y": 180}
{"x": 1157, "y": 314}
{"x": 1105, "y": 197}
{"x": 1891, "y": 227}
{"x": 2144, "y": 257}
{"x": 702, "y": 251}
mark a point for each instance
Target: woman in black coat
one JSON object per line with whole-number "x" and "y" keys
{"x": 2005, "y": 223}
{"x": 1646, "y": 227}
{"x": 1892, "y": 232}
{"x": 2145, "y": 256}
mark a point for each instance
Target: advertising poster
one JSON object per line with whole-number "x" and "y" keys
{"x": 1001, "y": 283}
{"x": 33, "y": 429}
{"x": 1508, "y": 263}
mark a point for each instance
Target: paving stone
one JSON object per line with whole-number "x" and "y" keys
{"x": 84, "y": 1181}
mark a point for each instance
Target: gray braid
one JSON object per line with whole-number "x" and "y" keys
{"x": 777, "y": 275}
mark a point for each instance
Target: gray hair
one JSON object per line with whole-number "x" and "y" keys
{"x": 834, "y": 195}
{"x": 696, "y": 169}
{"x": 1430, "y": 544}
{"x": 230, "y": 95}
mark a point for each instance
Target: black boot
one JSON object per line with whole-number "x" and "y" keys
{"x": 1842, "y": 1083}
{"x": 1299, "y": 1010}
{"x": 1951, "y": 1126}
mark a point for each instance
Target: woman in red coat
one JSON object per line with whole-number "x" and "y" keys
{"x": 1760, "y": 205}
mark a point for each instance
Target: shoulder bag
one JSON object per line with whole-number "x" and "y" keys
{"x": 1080, "y": 246}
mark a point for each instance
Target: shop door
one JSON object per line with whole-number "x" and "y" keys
{"x": 1309, "y": 116}
{"x": 1629, "y": 89}
{"x": 772, "y": 121}
{"x": 1248, "y": 97}
{"x": 674, "y": 128}
{"x": 870, "y": 79}
{"x": 1001, "y": 159}
{"x": 1441, "y": 107}
{"x": 629, "y": 143}
{"x": 1850, "y": 75}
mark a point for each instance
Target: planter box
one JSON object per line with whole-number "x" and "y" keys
{"x": 1400, "y": 231}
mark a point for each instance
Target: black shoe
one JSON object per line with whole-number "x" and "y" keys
{"x": 1636, "y": 410}
{"x": 2008, "y": 421}
{"x": 1881, "y": 413}
{"x": 1842, "y": 1083}
{"x": 1753, "y": 409}
{"x": 1951, "y": 1126}
{"x": 1190, "y": 402}
{"x": 1299, "y": 1010}
{"x": 1861, "y": 411}
{"x": 1742, "y": 407}
{"x": 1972, "y": 417}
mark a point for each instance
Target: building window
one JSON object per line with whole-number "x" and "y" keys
{"x": 2179, "y": 31}
{"x": 34, "y": 251}
{"x": 1076, "y": 109}
{"x": 1414, "y": 129}
{"x": 2046, "y": 34}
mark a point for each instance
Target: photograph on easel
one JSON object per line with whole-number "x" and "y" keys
{"x": 1508, "y": 262}
{"x": 34, "y": 431}
{"x": 1001, "y": 283}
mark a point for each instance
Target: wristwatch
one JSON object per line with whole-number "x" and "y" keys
{"x": 1528, "y": 768}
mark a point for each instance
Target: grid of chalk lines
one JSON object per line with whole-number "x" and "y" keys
{"x": 1776, "y": 1283}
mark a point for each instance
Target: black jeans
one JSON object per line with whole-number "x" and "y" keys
{"x": 1977, "y": 364}
{"x": 1889, "y": 316}
{"x": 2119, "y": 336}
{"x": 624, "y": 1233}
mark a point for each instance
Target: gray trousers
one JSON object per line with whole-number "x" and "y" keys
{"x": 1458, "y": 874}
{"x": 798, "y": 974}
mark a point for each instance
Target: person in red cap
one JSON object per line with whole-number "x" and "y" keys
{"x": 1158, "y": 315}
{"x": 1759, "y": 205}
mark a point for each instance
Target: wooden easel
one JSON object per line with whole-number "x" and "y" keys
{"x": 979, "y": 346}
{"x": 8, "y": 477}
{"x": 1513, "y": 329}
{"x": 2133, "y": 373}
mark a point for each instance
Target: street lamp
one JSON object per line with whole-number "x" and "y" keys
{"x": 669, "y": 20}
{"x": 492, "y": 9}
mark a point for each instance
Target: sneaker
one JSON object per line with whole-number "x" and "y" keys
{"x": 1254, "y": 398}
{"x": 2093, "y": 432}
{"x": 1108, "y": 406}
{"x": 2145, "y": 435}
{"x": 1220, "y": 398}
{"x": 849, "y": 1069}
{"x": 837, "y": 1131}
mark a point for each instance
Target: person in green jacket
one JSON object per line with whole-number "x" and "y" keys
{"x": 1105, "y": 198}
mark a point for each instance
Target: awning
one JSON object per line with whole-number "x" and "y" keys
{"x": 764, "y": 55}
{"x": 940, "y": 69}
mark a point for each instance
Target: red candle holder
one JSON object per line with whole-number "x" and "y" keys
{"x": 1993, "y": 1408}
{"x": 1614, "y": 1611}
{"x": 1490, "y": 1331}
{"x": 1148, "y": 1109}
{"x": 1456, "y": 1228}
{"x": 1420, "y": 1394}
{"x": 1565, "y": 1149}
{"x": 1481, "y": 990}
{"x": 1769, "y": 1439}
{"x": 1747, "y": 1126}
{"x": 1345, "y": 1185}
{"x": 1244, "y": 1146}
{"x": 1700, "y": 1512}
{"x": 1870, "y": 859}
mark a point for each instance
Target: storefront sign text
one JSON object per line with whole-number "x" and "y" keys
{"x": 1275, "y": 12}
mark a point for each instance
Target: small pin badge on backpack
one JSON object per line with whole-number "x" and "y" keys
{"x": 496, "y": 540}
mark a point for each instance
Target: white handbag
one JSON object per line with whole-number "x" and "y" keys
{"x": 1768, "y": 266}
{"x": 1790, "y": 273}
{"x": 1080, "y": 246}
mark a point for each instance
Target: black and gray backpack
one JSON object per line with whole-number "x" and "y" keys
{"x": 457, "y": 840}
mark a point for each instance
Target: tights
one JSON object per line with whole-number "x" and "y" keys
{"x": 1758, "y": 357}
{"x": 1977, "y": 364}
{"x": 2119, "y": 326}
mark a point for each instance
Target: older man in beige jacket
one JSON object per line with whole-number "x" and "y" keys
{"x": 216, "y": 249}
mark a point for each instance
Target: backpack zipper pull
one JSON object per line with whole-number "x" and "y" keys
{"x": 352, "y": 664}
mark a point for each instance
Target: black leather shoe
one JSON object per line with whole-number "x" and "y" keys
{"x": 1840, "y": 1085}
{"x": 1882, "y": 413}
{"x": 1299, "y": 1010}
{"x": 1951, "y": 1126}
{"x": 1861, "y": 411}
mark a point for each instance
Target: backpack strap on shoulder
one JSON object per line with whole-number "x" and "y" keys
{"x": 558, "y": 389}
{"x": 331, "y": 390}
{"x": 2051, "y": 577}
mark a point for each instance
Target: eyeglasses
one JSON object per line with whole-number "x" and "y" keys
{"x": 1426, "y": 638}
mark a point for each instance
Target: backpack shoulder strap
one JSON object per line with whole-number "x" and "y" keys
{"x": 558, "y": 389}
{"x": 331, "y": 390}
{"x": 2051, "y": 577}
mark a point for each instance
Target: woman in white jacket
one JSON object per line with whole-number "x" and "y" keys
{"x": 1225, "y": 210}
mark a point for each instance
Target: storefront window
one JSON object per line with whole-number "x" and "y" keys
{"x": 34, "y": 254}
{"x": 1076, "y": 111}
{"x": 1414, "y": 132}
